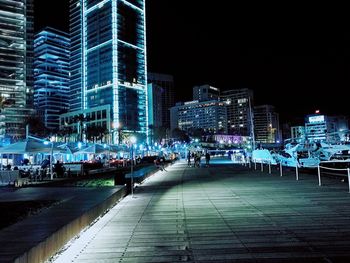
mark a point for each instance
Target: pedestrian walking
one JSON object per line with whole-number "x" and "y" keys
{"x": 159, "y": 163}
{"x": 207, "y": 159}
{"x": 189, "y": 158}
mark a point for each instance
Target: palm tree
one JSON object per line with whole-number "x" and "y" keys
{"x": 80, "y": 119}
{"x": 4, "y": 102}
{"x": 37, "y": 126}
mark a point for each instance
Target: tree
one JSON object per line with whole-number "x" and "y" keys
{"x": 92, "y": 133}
{"x": 80, "y": 119}
{"x": 37, "y": 127}
{"x": 159, "y": 133}
{"x": 197, "y": 132}
{"x": 4, "y": 102}
{"x": 180, "y": 135}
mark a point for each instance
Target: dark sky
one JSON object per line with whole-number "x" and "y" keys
{"x": 296, "y": 57}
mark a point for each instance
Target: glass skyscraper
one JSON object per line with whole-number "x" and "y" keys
{"x": 51, "y": 73}
{"x": 108, "y": 60}
{"x": 16, "y": 57}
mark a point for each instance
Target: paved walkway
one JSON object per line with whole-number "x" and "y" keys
{"x": 222, "y": 214}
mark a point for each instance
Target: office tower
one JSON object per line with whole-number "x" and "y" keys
{"x": 16, "y": 76}
{"x": 155, "y": 105}
{"x": 51, "y": 75}
{"x": 239, "y": 111}
{"x": 205, "y": 92}
{"x": 297, "y": 133}
{"x": 266, "y": 124}
{"x": 108, "y": 61}
{"x": 207, "y": 115}
{"x": 320, "y": 127}
{"x": 165, "y": 84}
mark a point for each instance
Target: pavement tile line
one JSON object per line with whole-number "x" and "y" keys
{"x": 90, "y": 232}
{"x": 224, "y": 214}
{"x": 78, "y": 244}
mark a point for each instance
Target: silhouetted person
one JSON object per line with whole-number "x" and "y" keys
{"x": 207, "y": 159}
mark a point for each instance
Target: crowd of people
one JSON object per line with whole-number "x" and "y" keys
{"x": 196, "y": 156}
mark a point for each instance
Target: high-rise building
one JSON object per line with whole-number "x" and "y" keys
{"x": 266, "y": 124}
{"x": 297, "y": 133}
{"x": 155, "y": 105}
{"x": 108, "y": 60}
{"x": 322, "y": 127}
{"x": 51, "y": 75}
{"x": 239, "y": 111}
{"x": 207, "y": 115}
{"x": 165, "y": 86}
{"x": 205, "y": 93}
{"x": 16, "y": 76}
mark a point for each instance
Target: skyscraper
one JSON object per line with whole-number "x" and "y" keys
{"x": 239, "y": 111}
{"x": 205, "y": 93}
{"x": 16, "y": 56}
{"x": 266, "y": 124}
{"x": 207, "y": 115}
{"x": 164, "y": 84}
{"x": 108, "y": 60}
{"x": 51, "y": 73}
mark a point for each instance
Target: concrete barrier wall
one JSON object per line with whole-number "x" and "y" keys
{"x": 52, "y": 244}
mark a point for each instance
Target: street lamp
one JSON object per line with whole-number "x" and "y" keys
{"x": 117, "y": 126}
{"x": 132, "y": 141}
{"x": 51, "y": 157}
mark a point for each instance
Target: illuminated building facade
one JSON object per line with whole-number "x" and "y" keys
{"x": 208, "y": 115}
{"x": 16, "y": 74}
{"x": 320, "y": 127}
{"x": 239, "y": 111}
{"x": 155, "y": 105}
{"x": 51, "y": 75}
{"x": 316, "y": 127}
{"x": 108, "y": 60}
{"x": 205, "y": 93}
{"x": 297, "y": 133}
{"x": 266, "y": 124}
{"x": 164, "y": 87}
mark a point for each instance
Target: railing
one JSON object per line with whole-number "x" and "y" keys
{"x": 262, "y": 162}
{"x": 319, "y": 167}
{"x": 333, "y": 169}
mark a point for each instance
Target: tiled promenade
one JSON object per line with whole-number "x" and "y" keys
{"x": 222, "y": 214}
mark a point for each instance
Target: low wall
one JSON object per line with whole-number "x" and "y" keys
{"x": 42, "y": 251}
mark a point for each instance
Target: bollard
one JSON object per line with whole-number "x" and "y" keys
{"x": 349, "y": 178}
{"x": 319, "y": 175}
{"x": 262, "y": 166}
{"x": 250, "y": 164}
{"x": 281, "y": 173}
{"x": 255, "y": 164}
{"x": 269, "y": 167}
{"x": 296, "y": 173}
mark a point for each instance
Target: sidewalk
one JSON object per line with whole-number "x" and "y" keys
{"x": 222, "y": 214}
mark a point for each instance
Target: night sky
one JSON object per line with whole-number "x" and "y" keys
{"x": 295, "y": 57}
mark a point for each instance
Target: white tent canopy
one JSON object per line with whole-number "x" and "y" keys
{"x": 28, "y": 146}
{"x": 96, "y": 149}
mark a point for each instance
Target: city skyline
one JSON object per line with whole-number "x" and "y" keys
{"x": 295, "y": 60}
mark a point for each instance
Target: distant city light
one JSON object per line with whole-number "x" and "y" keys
{"x": 132, "y": 139}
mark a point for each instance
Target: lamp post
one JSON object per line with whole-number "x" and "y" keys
{"x": 117, "y": 127}
{"x": 132, "y": 141}
{"x": 51, "y": 157}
